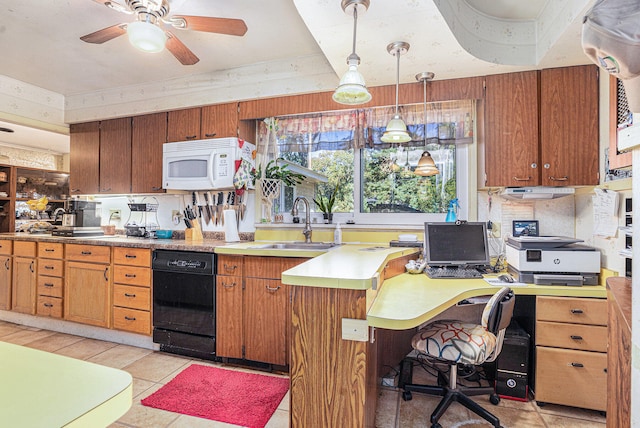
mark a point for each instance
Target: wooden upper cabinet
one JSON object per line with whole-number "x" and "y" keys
{"x": 84, "y": 158}
{"x": 115, "y": 155}
{"x": 569, "y": 126}
{"x": 511, "y": 118}
{"x": 220, "y": 120}
{"x": 184, "y": 125}
{"x": 149, "y": 133}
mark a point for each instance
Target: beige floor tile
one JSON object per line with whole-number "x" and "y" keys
{"x": 280, "y": 419}
{"x": 563, "y": 422}
{"x": 86, "y": 348}
{"x": 7, "y": 328}
{"x": 387, "y": 408}
{"x": 140, "y": 416}
{"x": 119, "y": 356}
{"x": 24, "y": 336}
{"x": 54, "y": 342}
{"x": 156, "y": 366}
{"x": 284, "y": 404}
{"x": 143, "y": 388}
{"x": 186, "y": 421}
{"x": 571, "y": 412}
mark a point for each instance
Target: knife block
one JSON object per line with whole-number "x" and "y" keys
{"x": 193, "y": 233}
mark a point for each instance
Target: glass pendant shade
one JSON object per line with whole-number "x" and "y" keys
{"x": 396, "y": 131}
{"x": 426, "y": 166}
{"x": 146, "y": 36}
{"x": 352, "y": 89}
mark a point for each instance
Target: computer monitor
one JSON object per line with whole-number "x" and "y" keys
{"x": 456, "y": 244}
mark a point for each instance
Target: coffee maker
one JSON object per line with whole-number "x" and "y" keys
{"x": 81, "y": 218}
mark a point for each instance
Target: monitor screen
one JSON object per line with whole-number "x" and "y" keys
{"x": 456, "y": 244}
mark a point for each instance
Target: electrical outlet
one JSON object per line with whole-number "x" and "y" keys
{"x": 115, "y": 214}
{"x": 175, "y": 217}
{"x": 495, "y": 230}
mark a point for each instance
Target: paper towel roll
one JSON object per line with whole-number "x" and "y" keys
{"x": 230, "y": 226}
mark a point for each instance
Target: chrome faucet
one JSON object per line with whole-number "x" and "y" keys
{"x": 307, "y": 218}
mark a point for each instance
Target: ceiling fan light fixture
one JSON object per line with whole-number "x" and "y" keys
{"x": 396, "y": 131}
{"x": 352, "y": 89}
{"x": 146, "y": 36}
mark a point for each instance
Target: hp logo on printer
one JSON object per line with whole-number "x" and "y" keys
{"x": 556, "y": 261}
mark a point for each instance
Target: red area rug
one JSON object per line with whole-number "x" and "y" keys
{"x": 222, "y": 395}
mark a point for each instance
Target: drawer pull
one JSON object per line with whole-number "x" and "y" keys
{"x": 49, "y": 267}
{"x": 6, "y": 264}
{"x": 229, "y": 268}
{"x": 577, "y": 311}
{"x": 522, "y": 178}
{"x": 130, "y": 318}
{"x": 49, "y": 250}
{"x": 579, "y": 365}
{"x": 130, "y": 275}
{"x": 576, "y": 337}
{"x": 48, "y": 305}
{"x": 48, "y": 284}
{"x": 565, "y": 178}
{"x": 129, "y": 295}
{"x": 272, "y": 288}
{"x": 130, "y": 256}
{"x": 86, "y": 253}
{"x": 233, "y": 284}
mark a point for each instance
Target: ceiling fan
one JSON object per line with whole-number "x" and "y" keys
{"x": 146, "y": 32}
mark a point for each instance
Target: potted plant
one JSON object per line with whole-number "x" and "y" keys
{"x": 325, "y": 204}
{"x": 270, "y": 180}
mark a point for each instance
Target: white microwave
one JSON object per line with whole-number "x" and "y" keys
{"x": 203, "y": 164}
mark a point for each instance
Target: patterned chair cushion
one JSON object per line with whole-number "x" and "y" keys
{"x": 455, "y": 341}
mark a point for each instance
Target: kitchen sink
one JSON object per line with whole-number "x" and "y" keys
{"x": 295, "y": 246}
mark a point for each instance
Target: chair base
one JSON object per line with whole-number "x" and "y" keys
{"x": 453, "y": 393}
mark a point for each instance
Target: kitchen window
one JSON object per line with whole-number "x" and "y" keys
{"x": 375, "y": 181}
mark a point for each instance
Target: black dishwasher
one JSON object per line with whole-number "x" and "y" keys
{"x": 184, "y": 303}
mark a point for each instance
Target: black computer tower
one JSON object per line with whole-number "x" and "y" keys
{"x": 512, "y": 365}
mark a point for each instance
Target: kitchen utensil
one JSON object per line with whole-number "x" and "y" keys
{"x": 164, "y": 234}
{"x": 196, "y": 203}
{"x": 212, "y": 208}
{"x": 207, "y": 208}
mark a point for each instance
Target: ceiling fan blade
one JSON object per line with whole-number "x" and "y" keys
{"x": 179, "y": 50}
{"x": 233, "y": 27}
{"x": 105, "y": 34}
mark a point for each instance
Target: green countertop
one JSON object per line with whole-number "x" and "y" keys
{"x": 41, "y": 389}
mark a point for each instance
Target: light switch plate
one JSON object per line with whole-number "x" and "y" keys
{"x": 353, "y": 329}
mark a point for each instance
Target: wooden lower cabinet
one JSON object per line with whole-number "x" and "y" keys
{"x": 50, "y": 288}
{"x": 132, "y": 290}
{"x": 5, "y": 282}
{"x": 229, "y": 322}
{"x": 571, "y": 352}
{"x": 265, "y": 320}
{"x": 88, "y": 293}
{"x": 23, "y": 290}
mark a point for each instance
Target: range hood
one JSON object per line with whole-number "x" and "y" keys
{"x": 537, "y": 192}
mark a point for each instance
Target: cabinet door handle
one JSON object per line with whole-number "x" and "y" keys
{"x": 86, "y": 253}
{"x": 154, "y": 188}
{"x": 48, "y": 305}
{"x": 522, "y": 178}
{"x": 108, "y": 189}
{"x": 577, "y": 311}
{"x": 6, "y": 264}
{"x": 565, "y": 178}
{"x": 576, "y": 337}
{"x": 578, "y": 365}
{"x": 230, "y": 268}
{"x": 210, "y": 135}
{"x": 190, "y": 137}
{"x": 75, "y": 190}
{"x": 225, "y": 285}
{"x": 48, "y": 284}
{"x": 106, "y": 270}
{"x": 130, "y": 318}
{"x": 49, "y": 267}
{"x": 130, "y": 256}
{"x": 49, "y": 250}
{"x": 31, "y": 267}
{"x": 272, "y": 288}
{"x": 129, "y": 295}
{"x": 130, "y": 275}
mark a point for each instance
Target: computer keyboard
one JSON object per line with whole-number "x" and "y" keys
{"x": 451, "y": 272}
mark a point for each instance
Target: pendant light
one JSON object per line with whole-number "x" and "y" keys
{"x": 352, "y": 89}
{"x": 396, "y": 131}
{"x": 426, "y": 166}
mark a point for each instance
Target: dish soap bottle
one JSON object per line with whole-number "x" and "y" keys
{"x": 452, "y": 213}
{"x": 337, "y": 235}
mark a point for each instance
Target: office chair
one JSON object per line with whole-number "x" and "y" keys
{"x": 461, "y": 343}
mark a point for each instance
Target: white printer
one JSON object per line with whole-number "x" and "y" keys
{"x": 552, "y": 260}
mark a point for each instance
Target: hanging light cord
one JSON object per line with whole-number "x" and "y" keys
{"x": 355, "y": 27}
{"x": 424, "y": 91}
{"x": 397, "y": 76}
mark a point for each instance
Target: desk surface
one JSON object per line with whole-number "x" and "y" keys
{"x": 406, "y": 301}
{"x": 39, "y": 389}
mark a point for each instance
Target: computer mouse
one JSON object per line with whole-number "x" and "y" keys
{"x": 505, "y": 277}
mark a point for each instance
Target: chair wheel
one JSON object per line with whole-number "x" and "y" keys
{"x": 406, "y": 395}
{"x": 541, "y": 403}
{"x": 494, "y": 399}
{"x": 436, "y": 425}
